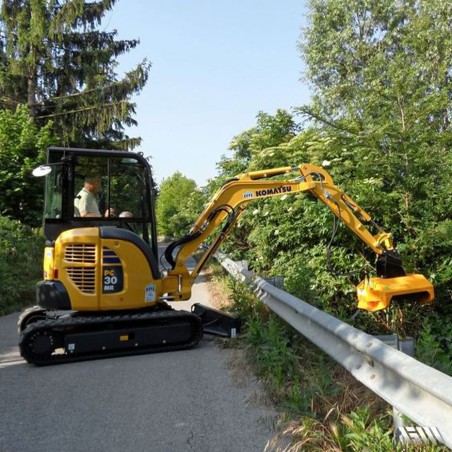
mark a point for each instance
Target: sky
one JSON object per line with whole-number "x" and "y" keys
{"x": 215, "y": 65}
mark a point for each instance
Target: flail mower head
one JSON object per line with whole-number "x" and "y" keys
{"x": 377, "y": 293}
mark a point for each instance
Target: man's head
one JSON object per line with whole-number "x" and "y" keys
{"x": 93, "y": 184}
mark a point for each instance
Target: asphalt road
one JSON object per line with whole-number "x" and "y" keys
{"x": 166, "y": 402}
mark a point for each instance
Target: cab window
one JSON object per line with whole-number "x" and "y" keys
{"x": 54, "y": 194}
{"x": 110, "y": 188}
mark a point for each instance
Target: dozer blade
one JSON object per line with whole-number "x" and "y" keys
{"x": 216, "y": 322}
{"x": 377, "y": 293}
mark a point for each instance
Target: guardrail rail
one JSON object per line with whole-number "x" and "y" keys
{"x": 418, "y": 391}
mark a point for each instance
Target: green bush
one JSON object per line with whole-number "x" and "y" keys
{"x": 178, "y": 205}
{"x": 296, "y": 236}
{"x": 22, "y": 147}
{"x": 297, "y": 375}
{"x": 20, "y": 264}
{"x": 434, "y": 344}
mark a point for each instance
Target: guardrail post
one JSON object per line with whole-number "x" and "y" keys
{"x": 243, "y": 264}
{"x": 277, "y": 281}
{"x": 407, "y": 346}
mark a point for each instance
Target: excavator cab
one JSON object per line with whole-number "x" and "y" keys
{"x": 125, "y": 196}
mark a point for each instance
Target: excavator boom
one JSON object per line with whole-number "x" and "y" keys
{"x": 232, "y": 198}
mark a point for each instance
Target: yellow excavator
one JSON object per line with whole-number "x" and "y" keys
{"x": 104, "y": 293}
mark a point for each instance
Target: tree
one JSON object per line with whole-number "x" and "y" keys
{"x": 178, "y": 205}
{"x": 380, "y": 121}
{"x": 54, "y": 59}
{"x": 22, "y": 147}
{"x": 374, "y": 61}
{"x": 270, "y": 130}
{"x": 381, "y": 76}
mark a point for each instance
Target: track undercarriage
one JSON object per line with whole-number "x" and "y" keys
{"x": 52, "y": 337}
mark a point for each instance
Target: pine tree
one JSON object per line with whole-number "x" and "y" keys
{"x": 54, "y": 59}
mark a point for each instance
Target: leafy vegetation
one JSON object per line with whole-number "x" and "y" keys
{"x": 292, "y": 236}
{"x": 435, "y": 342}
{"x": 22, "y": 147}
{"x": 20, "y": 264}
{"x": 381, "y": 78}
{"x": 178, "y": 205}
{"x": 379, "y": 121}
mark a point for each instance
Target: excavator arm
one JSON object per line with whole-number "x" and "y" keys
{"x": 232, "y": 198}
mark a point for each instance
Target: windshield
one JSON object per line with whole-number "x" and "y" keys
{"x": 113, "y": 187}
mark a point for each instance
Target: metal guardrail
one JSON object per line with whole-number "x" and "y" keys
{"x": 418, "y": 391}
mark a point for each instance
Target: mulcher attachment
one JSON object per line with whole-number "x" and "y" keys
{"x": 377, "y": 293}
{"x": 393, "y": 284}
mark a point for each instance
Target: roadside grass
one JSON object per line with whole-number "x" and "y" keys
{"x": 321, "y": 406}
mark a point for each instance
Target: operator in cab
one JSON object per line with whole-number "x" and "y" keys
{"x": 85, "y": 202}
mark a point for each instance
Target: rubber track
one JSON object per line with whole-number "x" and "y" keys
{"x": 34, "y": 310}
{"x": 78, "y": 324}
